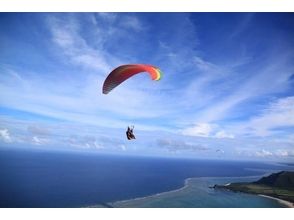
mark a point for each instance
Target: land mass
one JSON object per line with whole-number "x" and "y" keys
{"x": 277, "y": 185}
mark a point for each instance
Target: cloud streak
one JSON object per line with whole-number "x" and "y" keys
{"x": 220, "y": 89}
{"x": 5, "y": 136}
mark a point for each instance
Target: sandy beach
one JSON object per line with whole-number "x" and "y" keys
{"x": 284, "y": 202}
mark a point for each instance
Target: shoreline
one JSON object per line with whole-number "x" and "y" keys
{"x": 186, "y": 184}
{"x": 288, "y": 204}
{"x": 154, "y": 195}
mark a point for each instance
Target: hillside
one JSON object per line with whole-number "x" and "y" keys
{"x": 284, "y": 179}
{"x": 279, "y": 185}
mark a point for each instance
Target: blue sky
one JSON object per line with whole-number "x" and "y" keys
{"x": 227, "y": 89}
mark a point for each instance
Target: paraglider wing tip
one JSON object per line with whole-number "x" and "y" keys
{"x": 104, "y": 90}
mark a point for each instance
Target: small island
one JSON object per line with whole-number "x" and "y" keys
{"x": 277, "y": 185}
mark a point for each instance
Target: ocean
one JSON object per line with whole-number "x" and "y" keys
{"x": 35, "y": 178}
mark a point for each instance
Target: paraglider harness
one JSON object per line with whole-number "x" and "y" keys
{"x": 130, "y": 134}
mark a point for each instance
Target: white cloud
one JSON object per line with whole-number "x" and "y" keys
{"x": 38, "y": 141}
{"x": 233, "y": 90}
{"x": 200, "y": 129}
{"x": 263, "y": 153}
{"x": 207, "y": 95}
{"x": 110, "y": 17}
{"x": 123, "y": 147}
{"x": 38, "y": 130}
{"x": 223, "y": 134}
{"x": 98, "y": 145}
{"x": 62, "y": 37}
{"x": 206, "y": 130}
{"x": 5, "y": 136}
{"x": 284, "y": 153}
{"x": 278, "y": 154}
{"x": 65, "y": 33}
{"x": 179, "y": 145}
{"x": 205, "y": 65}
{"x": 63, "y": 101}
{"x": 132, "y": 22}
{"x": 243, "y": 24}
{"x": 277, "y": 115}
{"x": 83, "y": 141}
{"x": 216, "y": 107}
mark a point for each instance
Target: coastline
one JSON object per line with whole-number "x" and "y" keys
{"x": 186, "y": 185}
{"x": 154, "y": 195}
{"x": 281, "y": 201}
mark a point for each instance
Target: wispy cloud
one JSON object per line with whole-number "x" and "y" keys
{"x": 179, "y": 145}
{"x": 221, "y": 88}
{"x": 132, "y": 22}
{"x": 206, "y": 130}
{"x": 263, "y": 153}
{"x": 39, "y": 141}
{"x": 279, "y": 154}
{"x": 242, "y": 25}
{"x": 274, "y": 118}
{"x": 223, "y": 134}
{"x": 250, "y": 89}
{"x": 200, "y": 129}
{"x": 65, "y": 33}
{"x": 81, "y": 100}
{"x": 5, "y": 136}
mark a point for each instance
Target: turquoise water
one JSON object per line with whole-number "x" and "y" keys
{"x": 198, "y": 194}
{"x": 66, "y": 179}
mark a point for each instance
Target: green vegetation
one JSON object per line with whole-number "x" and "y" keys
{"x": 279, "y": 185}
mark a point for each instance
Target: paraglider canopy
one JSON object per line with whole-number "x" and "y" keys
{"x": 124, "y": 72}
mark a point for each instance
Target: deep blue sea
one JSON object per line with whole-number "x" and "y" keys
{"x": 31, "y": 178}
